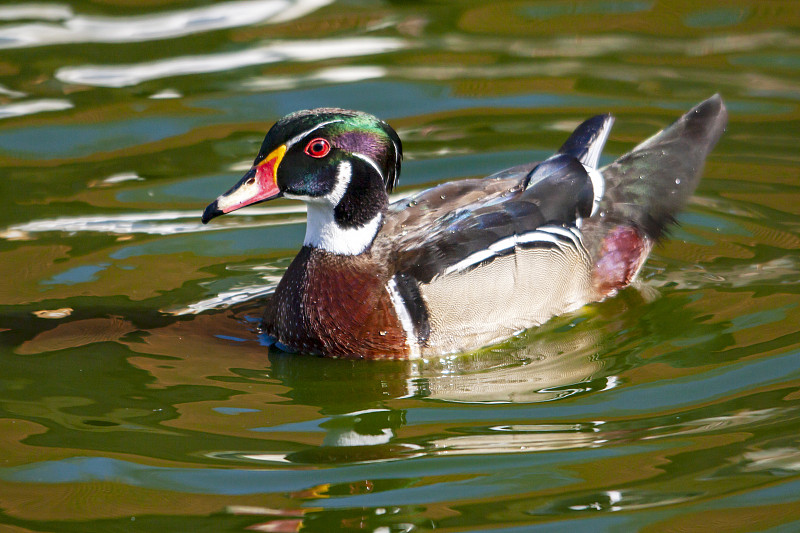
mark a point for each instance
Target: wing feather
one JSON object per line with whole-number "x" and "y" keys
{"x": 556, "y": 192}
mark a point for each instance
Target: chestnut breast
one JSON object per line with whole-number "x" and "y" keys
{"x": 336, "y": 305}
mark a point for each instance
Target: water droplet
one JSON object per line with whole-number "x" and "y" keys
{"x": 383, "y": 333}
{"x": 677, "y": 181}
{"x": 441, "y": 196}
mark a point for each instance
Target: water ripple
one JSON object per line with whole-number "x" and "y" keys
{"x": 316, "y": 50}
{"x": 89, "y": 29}
{"x": 159, "y": 222}
{"x": 155, "y": 223}
{"x": 33, "y": 106}
{"x": 35, "y": 12}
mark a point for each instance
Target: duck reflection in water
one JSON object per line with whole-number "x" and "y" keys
{"x": 356, "y": 411}
{"x": 533, "y": 368}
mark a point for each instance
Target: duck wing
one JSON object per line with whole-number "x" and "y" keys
{"x": 490, "y": 218}
{"x": 587, "y": 141}
{"x": 428, "y": 207}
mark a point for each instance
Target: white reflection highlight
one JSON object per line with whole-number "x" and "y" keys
{"x": 133, "y": 74}
{"x": 226, "y": 298}
{"x": 162, "y": 222}
{"x": 513, "y": 443}
{"x": 351, "y": 437}
{"x": 35, "y": 12}
{"x": 268, "y": 458}
{"x": 122, "y": 176}
{"x": 348, "y": 74}
{"x": 600, "y": 45}
{"x": 717, "y": 423}
{"x": 786, "y": 459}
{"x": 157, "y": 223}
{"x": 89, "y": 29}
{"x": 33, "y": 106}
{"x": 166, "y": 94}
{"x": 11, "y": 93}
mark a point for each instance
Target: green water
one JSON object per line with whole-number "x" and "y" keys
{"x": 134, "y": 395}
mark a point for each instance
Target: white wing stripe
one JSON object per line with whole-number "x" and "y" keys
{"x": 550, "y": 234}
{"x": 572, "y": 235}
{"x": 470, "y": 260}
{"x": 503, "y": 244}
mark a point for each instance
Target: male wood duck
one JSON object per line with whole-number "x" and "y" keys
{"x": 468, "y": 263}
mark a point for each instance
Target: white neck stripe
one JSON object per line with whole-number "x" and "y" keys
{"x": 324, "y": 233}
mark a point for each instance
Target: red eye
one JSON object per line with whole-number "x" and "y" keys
{"x": 318, "y": 147}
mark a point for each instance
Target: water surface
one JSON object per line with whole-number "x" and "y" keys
{"x": 135, "y": 396}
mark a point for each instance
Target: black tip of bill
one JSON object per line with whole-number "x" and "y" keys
{"x": 211, "y": 211}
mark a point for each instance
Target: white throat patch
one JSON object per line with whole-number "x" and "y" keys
{"x": 324, "y": 233}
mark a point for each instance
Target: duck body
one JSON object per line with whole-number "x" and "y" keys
{"x": 468, "y": 263}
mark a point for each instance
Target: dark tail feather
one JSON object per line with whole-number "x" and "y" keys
{"x": 587, "y": 141}
{"x": 648, "y": 186}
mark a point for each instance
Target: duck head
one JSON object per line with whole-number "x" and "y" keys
{"x": 341, "y": 163}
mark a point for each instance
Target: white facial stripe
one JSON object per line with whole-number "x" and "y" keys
{"x": 397, "y": 149}
{"x": 332, "y": 199}
{"x": 344, "y": 174}
{"x": 398, "y": 153}
{"x": 405, "y": 318}
{"x": 372, "y": 163}
{"x": 299, "y": 136}
{"x": 324, "y": 233}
